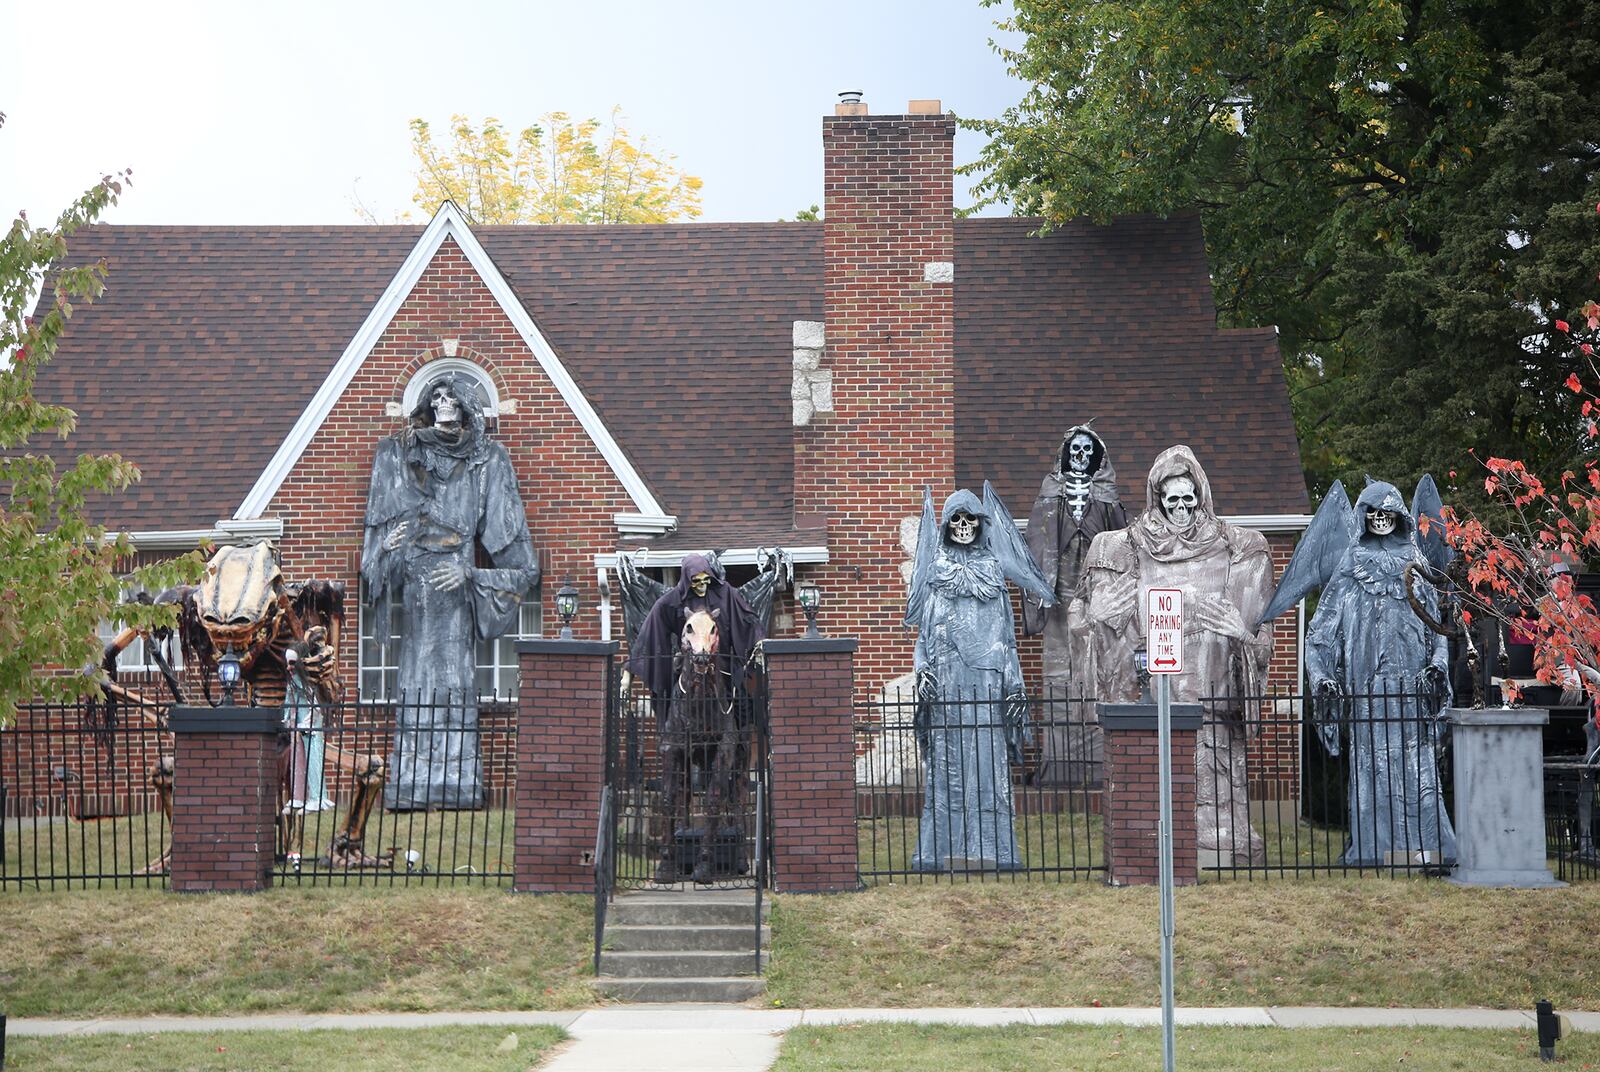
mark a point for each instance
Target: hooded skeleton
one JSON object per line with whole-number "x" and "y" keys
{"x": 1225, "y": 573}
{"x": 438, "y": 492}
{"x": 1379, "y": 672}
{"x": 971, "y": 720}
{"x": 1077, "y": 501}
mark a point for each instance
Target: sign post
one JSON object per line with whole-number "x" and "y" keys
{"x": 1164, "y": 656}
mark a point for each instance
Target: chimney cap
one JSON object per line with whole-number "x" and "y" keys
{"x": 850, "y": 103}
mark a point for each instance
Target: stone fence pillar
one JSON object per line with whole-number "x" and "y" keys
{"x": 562, "y": 692}
{"x": 1131, "y": 804}
{"x": 224, "y": 798}
{"x": 1499, "y": 796}
{"x": 813, "y": 791}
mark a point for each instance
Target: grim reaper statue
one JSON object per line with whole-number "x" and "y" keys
{"x": 972, "y": 714}
{"x": 1378, "y": 672}
{"x": 1225, "y": 572}
{"x": 1077, "y": 501}
{"x": 440, "y": 488}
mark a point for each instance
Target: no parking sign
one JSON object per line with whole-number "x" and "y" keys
{"x": 1164, "y": 630}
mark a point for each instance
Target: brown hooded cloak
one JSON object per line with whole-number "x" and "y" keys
{"x": 1225, "y": 572}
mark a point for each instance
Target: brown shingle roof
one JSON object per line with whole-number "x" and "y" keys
{"x": 210, "y": 341}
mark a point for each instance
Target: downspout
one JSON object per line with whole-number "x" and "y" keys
{"x": 603, "y": 575}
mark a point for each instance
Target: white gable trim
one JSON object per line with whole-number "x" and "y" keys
{"x": 448, "y": 222}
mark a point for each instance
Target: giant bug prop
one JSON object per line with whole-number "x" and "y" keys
{"x": 244, "y": 604}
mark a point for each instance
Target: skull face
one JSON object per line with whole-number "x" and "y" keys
{"x": 446, "y": 408}
{"x": 700, "y": 583}
{"x": 963, "y": 528}
{"x": 1080, "y": 452}
{"x": 1381, "y": 522}
{"x": 1179, "y": 501}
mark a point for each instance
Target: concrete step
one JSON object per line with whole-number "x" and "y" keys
{"x": 685, "y": 938}
{"x": 678, "y": 965}
{"x": 684, "y": 990}
{"x": 684, "y": 909}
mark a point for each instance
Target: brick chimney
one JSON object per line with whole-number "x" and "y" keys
{"x": 887, "y": 350}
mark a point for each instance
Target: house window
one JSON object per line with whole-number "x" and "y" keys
{"x": 136, "y": 658}
{"x": 379, "y": 657}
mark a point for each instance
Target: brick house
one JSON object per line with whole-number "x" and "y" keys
{"x": 676, "y": 387}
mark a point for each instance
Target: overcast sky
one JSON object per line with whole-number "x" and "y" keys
{"x": 285, "y": 112}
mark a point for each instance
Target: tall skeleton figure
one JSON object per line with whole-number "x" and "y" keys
{"x": 972, "y": 714}
{"x": 440, "y": 489}
{"x": 1077, "y": 501}
{"x": 1380, "y": 675}
{"x": 1225, "y": 573}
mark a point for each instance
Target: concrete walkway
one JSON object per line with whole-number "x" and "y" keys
{"x": 720, "y": 1038}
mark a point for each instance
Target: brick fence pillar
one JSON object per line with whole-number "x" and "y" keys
{"x": 224, "y": 798}
{"x": 561, "y": 717}
{"x": 812, "y": 732}
{"x": 1132, "y": 801}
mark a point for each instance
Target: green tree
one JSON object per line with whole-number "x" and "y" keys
{"x": 1403, "y": 187}
{"x": 57, "y": 568}
{"x": 559, "y": 170}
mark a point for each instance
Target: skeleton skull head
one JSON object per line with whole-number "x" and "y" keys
{"x": 1080, "y": 452}
{"x": 1381, "y": 522}
{"x": 700, "y": 583}
{"x": 963, "y": 528}
{"x": 446, "y": 407}
{"x": 1179, "y": 501}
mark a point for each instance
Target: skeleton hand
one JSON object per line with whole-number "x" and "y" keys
{"x": 1328, "y": 704}
{"x": 448, "y": 576}
{"x": 1018, "y": 732}
{"x": 396, "y": 537}
{"x": 1218, "y": 615}
{"x": 320, "y": 657}
{"x": 1112, "y": 601}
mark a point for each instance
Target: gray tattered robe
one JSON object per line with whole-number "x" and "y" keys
{"x": 453, "y": 494}
{"x": 1366, "y": 638}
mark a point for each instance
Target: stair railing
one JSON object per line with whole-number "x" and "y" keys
{"x": 605, "y": 843}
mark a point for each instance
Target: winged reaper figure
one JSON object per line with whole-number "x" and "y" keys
{"x": 1379, "y": 674}
{"x": 972, "y": 713}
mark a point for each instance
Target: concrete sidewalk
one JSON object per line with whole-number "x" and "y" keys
{"x": 720, "y": 1038}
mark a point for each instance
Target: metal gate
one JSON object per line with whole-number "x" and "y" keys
{"x": 687, "y": 780}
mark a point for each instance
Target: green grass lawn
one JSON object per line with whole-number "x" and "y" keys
{"x": 916, "y": 1048}
{"x": 1072, "y": 842}
{"x": 461, "y": 1049}
{"x": 1330, "y": 942}
{"x": 451, "y": 846}
{"x": 346, "y": 949}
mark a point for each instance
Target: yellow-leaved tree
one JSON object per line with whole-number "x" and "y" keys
{"x": 560, "y": 170}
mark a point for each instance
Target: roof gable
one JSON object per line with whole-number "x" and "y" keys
{"x": 447, "y": 224}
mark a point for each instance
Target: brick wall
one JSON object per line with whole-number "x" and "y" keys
{"x": 224, "y": 799}
{"x": 560, "y": 756}
{"x": 813, "y": 765}
{"x": 569, "y": 490}
{"x": 1131, "y": 803}
{"x": 890, "y": 349}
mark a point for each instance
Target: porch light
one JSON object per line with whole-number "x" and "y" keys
{"x": 810, "y": 598}
{"x": 228, "y": 674}
{"x": 567, "y": 608}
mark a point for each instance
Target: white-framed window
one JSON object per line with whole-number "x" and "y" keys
{"x": 379, "y": 657}
{"x": 136, "y": 657}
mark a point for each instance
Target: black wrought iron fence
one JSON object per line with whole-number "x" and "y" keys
{"x": 685, "y": 773}
{"x": 78, "y": 804}
{"x": 1569, "y": 784}
{"x": 367, "y": 794}
{"x": 1294, "y": 785}
{"x": 975, "y": 787}
{"x": 398, "y": 793}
